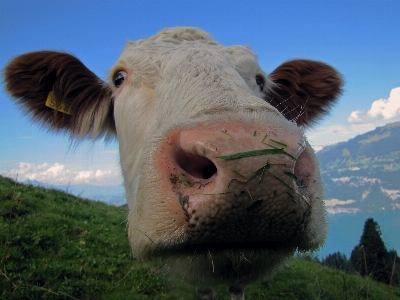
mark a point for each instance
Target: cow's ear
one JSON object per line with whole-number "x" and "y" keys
{"x": 304, "y": 90}
{"x": 57, "y": 90}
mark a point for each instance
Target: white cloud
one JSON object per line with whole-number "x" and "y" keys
{"x": 342, "y": 210}
{"x": 382, "y": 112}
{"x": 336, "y": 206}
{"x": 355, "y": 117}
{"x": 58, "y": 174}
{"x": 329, "y": 135}
{"x": 335, "y": 202}
{"x": 386, "y": 109}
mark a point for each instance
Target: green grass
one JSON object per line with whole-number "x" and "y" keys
{"x": 57, "y": 246}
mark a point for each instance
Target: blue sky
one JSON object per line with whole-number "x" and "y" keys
{"x": 359, "y": 38}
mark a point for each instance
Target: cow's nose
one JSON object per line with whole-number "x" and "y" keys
{"x": 231, "y": 178}
{"x": 232, "y": 152}
{"x": 198, "y": 166}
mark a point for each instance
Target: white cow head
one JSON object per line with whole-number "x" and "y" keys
{"x": 219, "y": 177}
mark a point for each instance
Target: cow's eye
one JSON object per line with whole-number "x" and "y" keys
{"x": 260, "y": 82}
{"x": 119, "y": 78}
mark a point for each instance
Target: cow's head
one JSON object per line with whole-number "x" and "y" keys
{"x": 219, "y": 177}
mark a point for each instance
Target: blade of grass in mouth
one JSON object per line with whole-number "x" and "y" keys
{"x": 255, "y": 153}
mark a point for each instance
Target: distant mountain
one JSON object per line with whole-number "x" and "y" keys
{"x": 114, "y": 195}
{"x": 363, "y": 174}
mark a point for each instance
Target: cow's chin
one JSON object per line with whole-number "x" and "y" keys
{"x": 222, "y": 261}
{"x": 228, "y": 263}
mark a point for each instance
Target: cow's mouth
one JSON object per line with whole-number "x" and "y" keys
{"x": 229, "y": 246}
{"x": 232, "y": 263}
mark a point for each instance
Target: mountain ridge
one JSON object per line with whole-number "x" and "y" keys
{"x": 113, "y": 194}
{"x": 362, "y": 174}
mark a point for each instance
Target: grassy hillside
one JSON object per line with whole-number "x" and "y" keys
{"x": 56, "y": 246}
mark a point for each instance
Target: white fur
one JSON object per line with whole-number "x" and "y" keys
{"x": 177, "y": 79}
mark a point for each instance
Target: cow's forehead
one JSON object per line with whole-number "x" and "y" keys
{"x": 174, "y": 40}
{"x": 182, "y": 34}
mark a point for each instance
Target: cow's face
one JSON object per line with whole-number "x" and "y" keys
{"x": 219, "y": 177}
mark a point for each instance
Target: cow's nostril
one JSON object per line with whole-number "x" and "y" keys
{"x": 196, "y": 165}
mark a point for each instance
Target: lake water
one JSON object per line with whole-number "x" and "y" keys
{"x": 345, "y": 231}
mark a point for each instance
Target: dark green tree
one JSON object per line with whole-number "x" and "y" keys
{"x": 338, "y": 261}
{"x": 394, "y": 264}
{"x": 370, "y": 257}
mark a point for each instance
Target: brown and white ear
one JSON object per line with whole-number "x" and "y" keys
{"x": 304, "y": 90}
{"x": 57, "y": 90}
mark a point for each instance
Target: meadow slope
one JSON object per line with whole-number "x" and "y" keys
{"x": 56, "y": 246}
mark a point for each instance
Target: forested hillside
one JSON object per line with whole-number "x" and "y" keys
{"x": 363, "y": 173}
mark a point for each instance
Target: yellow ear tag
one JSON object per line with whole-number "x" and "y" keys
{"x": 63, "y": 106}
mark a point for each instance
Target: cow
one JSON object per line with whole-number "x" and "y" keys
{"x": 220, "y": 180}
